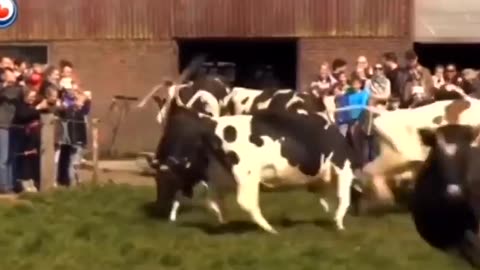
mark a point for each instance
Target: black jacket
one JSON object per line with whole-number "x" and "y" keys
{"x": 28, "y": 137}
{"x": 75, "y": 123}
{"x": 10, "y": 97}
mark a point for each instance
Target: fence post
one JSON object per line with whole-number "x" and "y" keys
{"x": 47, "y": 150}
{"x": 95, "y": 150}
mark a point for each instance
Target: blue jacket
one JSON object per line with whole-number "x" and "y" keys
{"x": 352, "y": 99}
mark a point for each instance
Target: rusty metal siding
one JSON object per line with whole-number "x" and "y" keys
{"x": 42, "y": 20}
{"x": 291, "y": 18}
{"x": 90, "y": 19}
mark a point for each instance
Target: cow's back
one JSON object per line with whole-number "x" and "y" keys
{"x": 305, "y": 139}
{"x": 398, "y": 132}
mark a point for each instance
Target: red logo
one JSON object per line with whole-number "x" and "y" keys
{"x": 4, "y": 12}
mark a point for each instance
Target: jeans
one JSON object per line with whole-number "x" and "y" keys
{"x": 6, "y": 170}
{"x": 371, "y": 149}
{"x": 76, "y": 154}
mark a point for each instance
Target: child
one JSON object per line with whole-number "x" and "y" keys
{"x": 28, "y": 116}
{"x": 348, "y": 120}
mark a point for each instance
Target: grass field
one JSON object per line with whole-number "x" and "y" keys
{"x": 111, "y": 227}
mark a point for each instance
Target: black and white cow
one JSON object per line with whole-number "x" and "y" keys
{"x": 239, "y": 153}
{"x": 247, "y": 101}
{"x": 213, "y": 101}
{"x": 445, "y": 201}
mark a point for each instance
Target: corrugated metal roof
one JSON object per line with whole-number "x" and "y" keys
{"x": 447, "y": 21}
{"x": 162, "y": 19}
{"x": 293, "y": 18}
{"x": 90, "y": 19}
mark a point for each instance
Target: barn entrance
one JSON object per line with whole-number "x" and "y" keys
{"x": 247, "y": 63}
{"x": 463, "y": 55}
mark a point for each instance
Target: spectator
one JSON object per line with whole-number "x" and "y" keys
{"x": 75, "y": 108}
{"x": 38, "y": 68}
{"x": 397, "y": 76}
{"x": 51, "y": 76}
{"x": 28, "y": 148}
{"x": 438, "y": 77}
{"x": 342, "y": 85}
{"x": 10, "y": 95}
{"x": 380, "y": 87}
{"x": 20, "y": 67}
{"x": 66, "y": 69}
{"x": 420, "y": 80}
{"x": 339, "y": 91}
{"x": 452, "y": 76}
{"x": 380, "y": 90}
{"x": 355, "y": 96}
{"x": 34, "y": 82}
{"x": 339, "y": 66}
{"x": 471, "y": 82}
{"x": 362, "y": 63}
{"x": 324, "y": 82}
{"x": 6, "y": 62}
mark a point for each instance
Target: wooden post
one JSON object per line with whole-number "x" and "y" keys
{"x": 95, "y": 150}
{"x": 47, "y": 152}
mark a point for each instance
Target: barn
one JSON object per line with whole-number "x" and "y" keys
{"x": 124, "y": 47}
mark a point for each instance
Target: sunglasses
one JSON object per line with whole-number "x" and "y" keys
{"x": 450, "y": 70}
{"x": 378, "y": 68}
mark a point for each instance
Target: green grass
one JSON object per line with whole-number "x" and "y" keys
{"x": 109, "y": 228}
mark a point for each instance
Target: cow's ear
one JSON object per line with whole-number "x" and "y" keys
{"x": 427, "y": 135}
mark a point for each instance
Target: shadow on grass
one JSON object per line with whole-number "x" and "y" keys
{"x": 152, "y": 210}
{"x": 235, "y": 226}
{"x": 243, "y": 227}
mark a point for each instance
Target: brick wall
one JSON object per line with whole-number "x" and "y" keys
{"x": 312, "y": 52}
{"x": 130, "y": 68}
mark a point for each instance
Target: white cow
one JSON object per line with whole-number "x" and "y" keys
{"x": 401, "y": 150}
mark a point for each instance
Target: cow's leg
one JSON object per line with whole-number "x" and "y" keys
{"x": 248, "y": 198}
{"x": 216, "y": 202}
{"x": 383, "y": 191}
{"x": 319, "y": 189}
{"x": 344, "y": 183}
{"x": 323, "y": 202}
{"x": 185, "y": 193}
{"x": 377, "y": 171}
{"x": 174, "y": 211}
{"x": 180, "y": 197}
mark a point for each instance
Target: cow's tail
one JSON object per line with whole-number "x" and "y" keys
{"x": 470, "y": 249}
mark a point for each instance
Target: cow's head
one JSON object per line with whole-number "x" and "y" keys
{"x": 450, "y": 156}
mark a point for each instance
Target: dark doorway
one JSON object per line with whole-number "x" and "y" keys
{"x": 32, "y": 53}
{"x": 463, "y": 55}
{"x": 249, "y": 59}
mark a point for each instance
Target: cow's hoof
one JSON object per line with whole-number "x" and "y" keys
{"x": 273, "y": 231}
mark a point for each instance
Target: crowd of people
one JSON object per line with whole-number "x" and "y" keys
{"x": 386, "y": 85}
{"x": 26, "y": 91}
